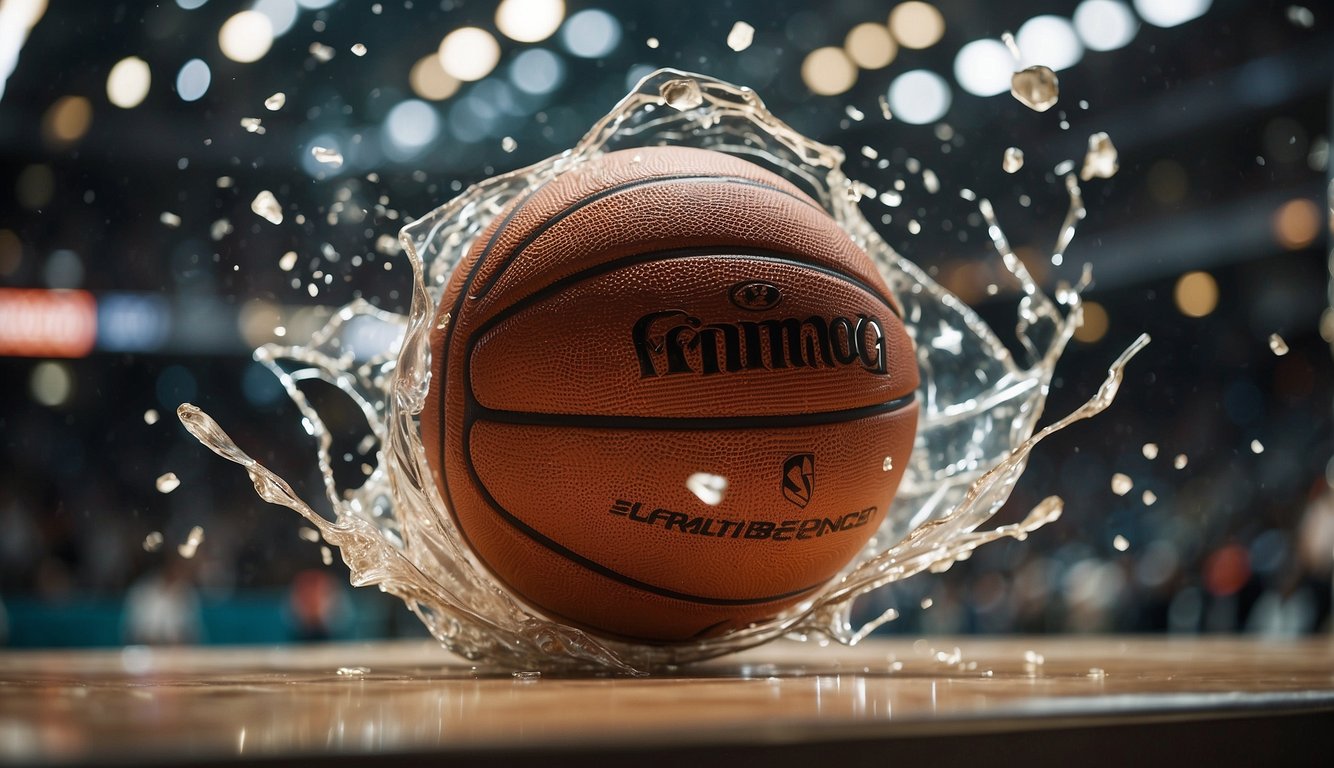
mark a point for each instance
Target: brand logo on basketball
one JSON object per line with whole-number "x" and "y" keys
{"x": 756, "y": 295}
{"x": 799, "y": 478}
{"x": 675, "y": 342}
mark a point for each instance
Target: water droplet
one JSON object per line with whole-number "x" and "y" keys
{"x": 1013, "y": 159}
{"x": 352, "y": 671}
{"x": 168, "y": 482}
{"x": 287, "y": 261}
{"x": 854, "y": 113}
{"x": 192, "y": 541}
{"x": 321, "y": 52}
{"x": 308, "y": 534}
{"x": 930, "y": 181}
{"x": 1121, "y": 543}
{"x": 1277, "y": 345}
{"x": 150, "y": 416}
{"x": 888, "y": 464}
{"x": 444, "y": 322}
{"x": 681, "y": 94}
{"x": 1036, "y": 88}
{"x": 275, "y": 102}
{"x": 220, "y": 229}
{"x": 741, "y": 36}
{"x": 652, "y": 42}
{"x": 1101, "y": 159}
{"x": 224, "y": 182}
{"x": 1121, "y": 484}
{"x": 358, "y": 49}
{"x": 1034, "y": 658}
{"x": 884, "y": 108}
{"x": 252, "y": 124}
{"x": 527, "y": 676}
{"x": 1150, "y": 451}
{"x": 1257, "y": 447}
{"x": 891, "y": 199}
{"x": 327, "y": 156}
{"x": 266, "y": 205}
{"x": 1149, "y": 498}
{"x": 170, "y": 219}
{"x": 326, "y": 556}
{"x": 509, "y": 144}
{"x": 708, "y": 487}
{"x": 1097, "y": 673}
{"x": 1180, "y": 461}
{"x": 153, "y": 541}
{"x": 869, "y": 152}
{"x": 927, "y": 603}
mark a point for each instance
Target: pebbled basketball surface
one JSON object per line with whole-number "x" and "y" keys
{"x": 653, "y": 331}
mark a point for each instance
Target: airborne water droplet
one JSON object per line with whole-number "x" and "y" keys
{"x": 1150, "y": 451}
{"x": 168, "y": 482}
{"x": 287, "y": 261}
{"x": 359, "y": 49}
{"x": 741, "y": 36}
{"x": 681, "y": 94}
{"x": 326, "y": 556}
{"x": 1121, "y": 543}
{"x": 170, "y": 219}
{"x": 252, "y": 124}
{"x": 1121, "y": 484}
{"x": 266, "y": 205}
{"x": 153, "y": 541}
{"x": 192, "y": 541}
{"x": 1301, "y": 16}
{"x": 308, "y": 534}
{"x": 321, "y": 52}
{"x": 1180, "y": 461}
{"x": 150, "y": 416}
{"x": 509, "y": 144}
{"x": 327, "y": 156}
{"x": 1013, "y": 160}
{"x": 1277, "y": 345}
{"x": 1257, "y": 447}
{"x": 1149, "y": 498}
{"x": 1101, "y": 159}
{"x": 275, "y": 102}
{"x": 1036, "y": 88}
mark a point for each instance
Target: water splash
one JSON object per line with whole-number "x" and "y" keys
{"x": 979, "y": 405}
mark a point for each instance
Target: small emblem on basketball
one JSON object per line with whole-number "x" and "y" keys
{"x": 756, "y": 295}
{"x": 799, "y": 478}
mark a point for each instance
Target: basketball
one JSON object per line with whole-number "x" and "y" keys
{"x": 669, "y": 396}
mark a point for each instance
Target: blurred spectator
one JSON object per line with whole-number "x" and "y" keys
{"x": 162, "y": 607}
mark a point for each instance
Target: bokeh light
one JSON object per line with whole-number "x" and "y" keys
{"x": 51, "y": 383}
{"x": 828, "y": 71}
{"x": 1170, "y": 13}
{"x": 1050, "y": 41}
{"x": 469, "y": 53}
{"x": 67, "y": 120}
{"x": 529, "y": 21}
{"x": 1296, "y": 224}
{"x": 128, "y": 82}
{"x": 1196, "y": 294}
{"x": 1095, "y": 323}
{"x": 916, "y": 25}
{"x": 411, "y": 124}
{"x": 983, "y": 67}
{"x": 591, "y": 33}
{"x": 919, "y": 96}
{"x": 1105, "y": 25}
{"x": 537, "y": 71}
{"x": 246, "y": 37}
{"x": 281, "y": 14}
{"x": 193, "y": 80}
{"x": 430, "y": 81}
{"x": 870, "y": 46}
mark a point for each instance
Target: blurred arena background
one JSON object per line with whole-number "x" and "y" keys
{"x": 138, "y": 272}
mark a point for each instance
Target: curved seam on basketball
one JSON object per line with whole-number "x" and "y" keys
{"x": 690, "y": 423}
{"x": 610, "y": 191}
{"x": 444, "y": 361}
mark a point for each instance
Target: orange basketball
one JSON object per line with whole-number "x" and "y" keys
{"x": 669, "y": 396}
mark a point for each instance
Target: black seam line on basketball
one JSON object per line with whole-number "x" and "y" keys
{"x": 583, "y": 202}
{"x": 444, "y": 356}
{"x": 592, "y": 565}
{"x": 688, "y": 424}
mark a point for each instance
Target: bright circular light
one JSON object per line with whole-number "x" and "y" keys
{"x": 469, "y": 53}
{"x": 281, "y": 14}
{"x": 193, "y": 80}
{"x": 315, "y": 5}
{"x": 429, "y": 81}
{"x": 870, "y": 46}
{"x": 828, "y": 71}
{"x": 916, "y": 25}
{"x": 67, "y": 120}
{"x": 1050, "y": 41}
{"x": 537, "y": 71}
{"x": 529, "y": 21}
{"x": 51, "y": 383}
{"x": 1196, "y": 294}
{"x": 983, "y": 67}
{"x": 591, "y": 33}
{"x": 919, "y": 97}
{"x": 1169, "y": 13}
{"x": 128, "y": 81}
{"x": 411, "y": 124}
{"x": 246, "y": 37}
{"x": 1105, "y": 25}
